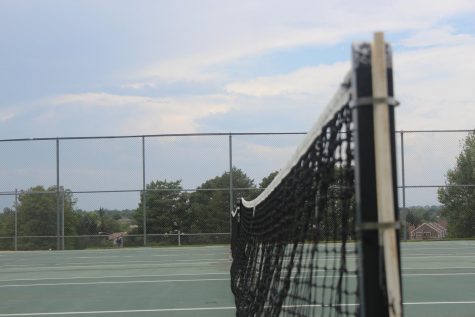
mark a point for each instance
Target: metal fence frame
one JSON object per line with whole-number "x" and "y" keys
{"x": 60, "y": 236}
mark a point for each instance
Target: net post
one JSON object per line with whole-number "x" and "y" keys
{"x": 385, "y": 170}
{"x": 375, "y": 177}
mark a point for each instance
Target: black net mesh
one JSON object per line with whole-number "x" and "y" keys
{"x": 294, "y": 253}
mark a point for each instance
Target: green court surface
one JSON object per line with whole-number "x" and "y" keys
{"x": 438, "y": 280}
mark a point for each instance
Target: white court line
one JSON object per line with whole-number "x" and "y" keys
{"x": 439, "y": 303}
{"x": 146, "y": 261}
{"x": 433, "y": 254}
{"x": 174, "y": 264}
{"x": 436, "y": 256}
{"x": 405, "y": 274}
{"x": 111, "y": 282}
{"x": 436, "y": 249}
{"x": 440, "y": 268}
{"x": 112, "y": 276}
{"x": 49, "y": 265}
{"x": 102, "y": 257}
{"x": 437, "y": 274}
{"x": 195, "y": 309}
{"x": 42, "y": 265}
{"x": 204, "y": 280}
{"x": 125, "y": 250}
{"x": 121, "y": 311}
{"x": 134, "y": 256}
{"x": 189, "y": 254}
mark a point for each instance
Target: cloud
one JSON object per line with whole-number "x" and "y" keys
{"x": 433, "y": 83}
{"x": 138, "y": 85}
{"x": 434, "y": 86}
{"x": 6, "y": 115}
{"x": 140, "y": 114}
{"x": 444, "y": 36}
{"x": 228, "y": 36}
{"x": 204, "y": 56}
{"x": 103, "y": 100}
{"x": 196, "y": 66}
{"x": 321, "y": 80}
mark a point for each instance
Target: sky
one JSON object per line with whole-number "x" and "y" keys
{"x": 94, "y": 68}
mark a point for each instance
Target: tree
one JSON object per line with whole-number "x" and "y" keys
{"x": 413, "y": 219}
{"x": 268, "y": 179}
{"x": 106, "y": 222}
{"x": 88, "y": 223}
{"x": 458, "y": 200}
{"x": 7, "y": 228}
{"x": 420, "y": 214}
{"x": 210, "y": 209}
{"x": 38, "y": 215}
{"x": 7, "y": 222}
{"x": 165, "y": 204}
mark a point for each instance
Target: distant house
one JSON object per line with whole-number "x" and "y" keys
{"x": 429, "y": 230}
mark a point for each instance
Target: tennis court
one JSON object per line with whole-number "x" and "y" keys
{"x": 117, "y": 282}
{"x": 438, "y": 280}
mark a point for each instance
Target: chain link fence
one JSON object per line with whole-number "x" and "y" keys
{"x": 175, "y": 189}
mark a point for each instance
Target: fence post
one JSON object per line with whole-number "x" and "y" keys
{"x": 62, "y": 220}
{"x": 403, "y": 180}
{"x": 230, "y": 179}
{"x": 58, "y": 201}
{"x": 144, "y": 195}
{"x": 16, "y": 221}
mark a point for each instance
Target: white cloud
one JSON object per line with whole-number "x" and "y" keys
{"x": 138, "y": 85}
{"x": 229, "y": 36}
{"x": 146, "y": 115}
{"x": 181, "y": 114}
{"x": 319, "y": 80}
{"x": 195, "y": 67}
{"x": 436, "y": 37}
{"x": 102, "y": 100}
{"x": 232, "y": 32}
{"x": 6, "y": 115}
{"x": 435, "y": 86}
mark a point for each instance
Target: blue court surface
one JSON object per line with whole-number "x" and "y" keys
{"x": 438, "y": 280}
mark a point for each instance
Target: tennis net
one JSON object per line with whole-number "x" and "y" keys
{"x": 295, "y": 247}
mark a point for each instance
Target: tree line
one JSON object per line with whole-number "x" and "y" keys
{"x": 168, "y": 209}
{"x": 206, "y": 210}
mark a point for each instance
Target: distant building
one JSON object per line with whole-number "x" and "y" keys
{"x": 429, "y": 231}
